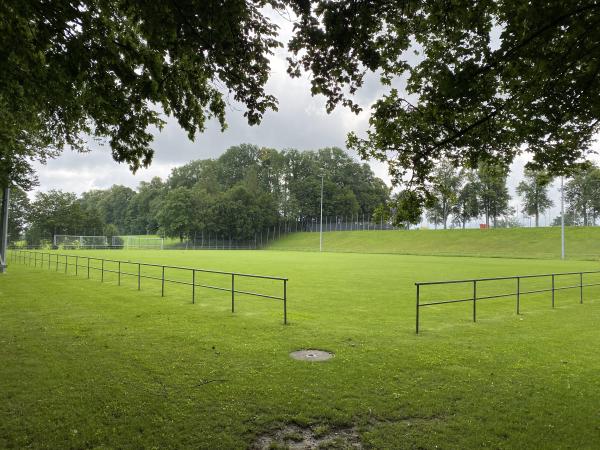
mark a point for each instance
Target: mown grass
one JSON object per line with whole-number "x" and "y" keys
{"x": 581, "y": 242}
{"x": 93, "y": 365}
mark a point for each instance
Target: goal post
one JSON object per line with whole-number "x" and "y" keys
{"x": 77, "y": 241}
{"x": 138, "y": 242}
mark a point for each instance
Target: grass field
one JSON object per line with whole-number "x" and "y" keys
{"x": 581, "y": 242}
{"x": 94, "y": 365}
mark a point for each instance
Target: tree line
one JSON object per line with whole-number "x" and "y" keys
{"x": 250, "y": 189}
{"x": 246, "y": 190}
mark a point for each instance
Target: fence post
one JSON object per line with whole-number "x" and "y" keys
{"x": 285, "y": 302}
{"x": 553, "y": 290}
{"x": 232, "y": 292}
{"x": 57, "y": 262}
{"x": 35, "y": 260}
{"x": 76, "y": 265}
{"x": 66, "y": 262}
{"x": 139, "y": 276}
{"x": 581, "y": 288}
{"x": 119, "y": 274}
{"x": 162, "y": 286}
{"x": 518, "y": 295}
{"x": 474, "y": 300}
{"x": 194, "y": 286}
{"x": 102, "y": 278}
{"x": 88, "y": 267}
{"x": 417, "y": 326}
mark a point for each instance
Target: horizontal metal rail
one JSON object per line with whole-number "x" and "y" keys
{"x": 58, "y": 260}
{"x": 518, "y": 293}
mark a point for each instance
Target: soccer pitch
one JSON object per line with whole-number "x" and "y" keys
{"x": 90, "y": 364}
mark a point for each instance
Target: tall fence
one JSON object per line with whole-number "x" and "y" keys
{"x": 86, "y": 265}
{"x": 476, "y": 283}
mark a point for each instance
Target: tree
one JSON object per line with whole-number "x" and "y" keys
{"x": 492, "y": 79}
{"x": 582, "y": 194}
{"x": 534, "y": 190}
{"x": 493, "y": 194}
{"x": 17, "y": 216}
{"x": 101, "y": 67}
{"x": 467, "y": 203}
{"x": 444, "y": 191}
{"x": 408, "y": 209}
{"x": 178, "y": 213}
{"x": 56, "y": 212}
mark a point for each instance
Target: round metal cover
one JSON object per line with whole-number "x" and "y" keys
{"x": 311, "y": 355}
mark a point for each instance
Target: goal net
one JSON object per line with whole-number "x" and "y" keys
{"x": 73, "y": 241}
{"x": 138, "y": 242}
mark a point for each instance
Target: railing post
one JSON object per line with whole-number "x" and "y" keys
{"x": 285, "y": 302}
{"x": 518, "y": 295}
{"x": 193, "y": 286}
{"x": 102, "y": 278}
{"x": 232, "y": 292}
{"x": 474, "y": 300}
{"x": 581, "y": 287}
{"x": 418, "y": 296}
{"x": 139, "y": 276}
{"x": 553, "y": 290}
{"x": 162, "y": 287}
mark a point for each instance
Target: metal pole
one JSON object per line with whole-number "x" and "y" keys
{"x": 119, "y": 274}
{"x": 162, "y": 288}
{"x": 76, "y": 265}
{"x": 562, "y": 217}
{"x": 4, "y": 229}
{"x": 232, "y": 292}
{"x": 102, "y": 278}
{"x": 88, "y": 265}
{"x": 285, "y": 302}
{"x": 581, "y": 288}
{"x": 139, "y": 276}
{"x": 474, "y": 301}
{"x": 553, "y": 290}
{"x": 321, "y": 222}
{"x": 66, "y": 262}
{"x": 193, "y": 286}
{"x": 417, "y": 326}
{"x": 518, "y": 295}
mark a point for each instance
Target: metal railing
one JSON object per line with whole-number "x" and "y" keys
{"x": 58, "y": 260}
{"x": 517, "y": 293}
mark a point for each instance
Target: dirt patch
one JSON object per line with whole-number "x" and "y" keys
{"x": 294, "y": 437}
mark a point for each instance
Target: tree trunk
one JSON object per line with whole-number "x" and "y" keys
{"x": 537, "y": 219}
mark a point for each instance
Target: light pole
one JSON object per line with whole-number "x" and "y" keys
{"x": 562, "y": 217}
{"x": 321, "y": 221}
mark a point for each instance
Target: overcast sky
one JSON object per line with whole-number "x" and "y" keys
{"x": 300, "y": 123}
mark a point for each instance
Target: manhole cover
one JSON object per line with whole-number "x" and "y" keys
{"x": 311, "y": 355}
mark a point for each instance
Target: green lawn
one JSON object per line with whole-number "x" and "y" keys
{"x": 581, "y": 243}
{"x": 87, "y": 364}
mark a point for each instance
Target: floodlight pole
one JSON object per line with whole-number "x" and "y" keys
{"x": 562, "y": 217}
{"x": 321, "y": 221}
{"x": 4, "y": 229}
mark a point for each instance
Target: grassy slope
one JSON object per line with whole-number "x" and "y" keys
{"x": 581, "y": 243}
{"x": 87, "y": 364}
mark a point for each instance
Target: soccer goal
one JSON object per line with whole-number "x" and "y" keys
{"x": 138, "y": 242}
{"x": 73, "y": 241}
